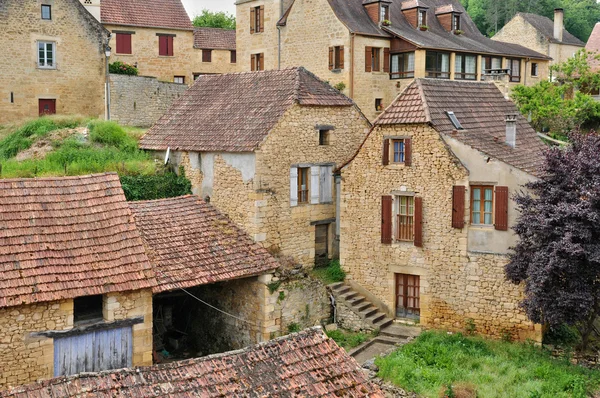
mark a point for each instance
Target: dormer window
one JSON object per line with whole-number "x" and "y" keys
{"x": 384, "y": 13}
{"x": 422, "y": 18}
{"x": 455, "y": 22}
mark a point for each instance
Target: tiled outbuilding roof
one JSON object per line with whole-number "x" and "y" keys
{"x": 169, "y": 14}
{"x": 191, "y": 243}
{"x": 305, "y": 364}
{"x": 235, "y": 112}
{"x": 67, "y": 237}
{"x": 545, "y": 26}
{"x": 593, "y": 46}
{"x": 480, "y": 108}
{"x": 214, "y": 38}
{"x": 352, "y": 14}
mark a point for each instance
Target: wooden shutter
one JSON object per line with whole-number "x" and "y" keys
{"x": 293, "y": 186}
{"x": 261, "y": 19}
{"x": 368, "y": 58}
{"x": 169, "y": 42}
{"x": 386, "y": 60}
{"x": 501, "y": 222}
{"x": 331, "y": 57}
{"x": 458, "y": 206}
{"x": 418, "y": 221}
{"x": 326, "y": 184}
{"x": 127, "y": 43}
{"x": 386, "y": 152}
{"x": 261, "y": 61}
{"x": 386, "y": 220}
{"x": 408, "y": 152}
{"x": 341, "y": 61}
{"x": 315, "y": 175}
{"x": 162, "y": 45}
{"x": 119, "y": 40}
{"x": 253, "y": 62}
{"x": 252, "y": 20}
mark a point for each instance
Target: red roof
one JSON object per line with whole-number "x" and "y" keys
{"x": 67, "y": 237}
{"x": 305, "y": 364}
{"x": 214, "y": 38}
{"x": 169, "y": 14}
{"x": 593, "y": 47}
{"x": 190, "y": 243}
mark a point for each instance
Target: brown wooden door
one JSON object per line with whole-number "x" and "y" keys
{"x": 408, "y": 301}
{"x": 47, "y": 107}
{"x": 321, "y": 245}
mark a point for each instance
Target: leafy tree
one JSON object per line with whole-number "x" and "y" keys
{"x": 558, "y": 254}
{"x": 212, "y": 19}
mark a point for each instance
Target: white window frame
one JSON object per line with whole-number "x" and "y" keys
{"x": 43, "y": 63}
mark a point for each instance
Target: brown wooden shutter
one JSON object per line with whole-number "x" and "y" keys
{"x": 261, "y": 61}
{"x": 368, "y": 60}
{"x": 341, "y": 61}
{"x": 386, "y": 152}
{"x": 331, "y": 57}
{"x": 458, "y": 206}
{"x": 252, "y": 20}
{"x": 418, "y": 221}
{"x": 253, "y": 63}
{"x": 501, "y": 222}
{"x": 261, "y": 19}
{"x": 407, "y": 152}
{"x": 386, "y": 60}
{"x": 386, "y": 219}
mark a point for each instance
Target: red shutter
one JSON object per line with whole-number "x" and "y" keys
{"x": 386, "y": 220}
{"x": 418, "y": 221}
{"x": 386, "y": 152}
{"x": 331, "y": 57}
{"x": 170, "y": 51}
{"x": 501, "y": 222}
{"x": 341, "y": 57}
{"x": 162, "y": 46}
{"x": 368, "y": 58}
{"x": 386, "y": 60}
{"x": 407, "y": 152}
{"x": 252, "y": 20}
{"x": 458, "y": 206}
{"x": 127, "y": 43}
{"x": 262, "y": 19}
{"x": 119, "y": 40}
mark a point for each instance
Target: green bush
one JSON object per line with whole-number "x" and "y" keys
{"x": 159, "y": 186}
{"x": 347, "y": 339}
{"x": 121, "y": 68}
{"x": 564, "y": 335}
{"x": 331, "y": 274}
{"x": 110, "y": 133}
{"x": 293, "y": 328}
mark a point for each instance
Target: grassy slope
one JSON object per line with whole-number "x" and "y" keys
{"x": 495, "y": 368}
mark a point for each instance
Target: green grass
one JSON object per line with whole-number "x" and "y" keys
{"x": 496, "y": 369}
{"x": 347, "y": 339}
{"x": 331, "y": 274}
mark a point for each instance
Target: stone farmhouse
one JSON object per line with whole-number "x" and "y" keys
{"x": 262, "y": 147}
{"x": 593, "y": 47}
{"x": 306, "y": 364}
{"x": 425, "y": 211}
{"x": 541, "y": 34}
{"x": 376, "y": 48}
{"x": 54, "y": 60}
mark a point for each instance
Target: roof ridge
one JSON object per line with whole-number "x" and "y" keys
{"x": 167, "y": 199}
{"x": 424, "y": 101}
{"x": 58, "y": 178}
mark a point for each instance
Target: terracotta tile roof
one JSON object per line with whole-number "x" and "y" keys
{"x": 593, "y": 46}
{"x": 479, "y": 107}
{"x": 305, "y": 364}
{"x": 169, "y": 14}
{"x": 214, "y": 38}
{"x": 545, "y": 26}
{"x": 68, "y": 237}
{"x": 190, "y": 243}
{"x": 235, "y": 112}
{"x": 353, "y": 15}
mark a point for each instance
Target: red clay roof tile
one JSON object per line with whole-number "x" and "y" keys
{"x": 214, "y": 38}
{"x": 168, "y": 14}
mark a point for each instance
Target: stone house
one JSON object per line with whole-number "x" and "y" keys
{"x": 376, "y": 48}
{"x": 542, "y": 35}
{"x": 261, "y": 147}
{"x": 593, "y": 47}
{"x": 76, "y": 282}
{"x": 306, "y": 364}
{"x": 426, "y": 213}
{"x": 53, "y": 60}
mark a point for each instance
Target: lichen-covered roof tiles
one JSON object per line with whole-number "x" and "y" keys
{"x": 67, "y": 237}
{"x": 169, "y": 14}
{"x": 235, "y": 112}
{"x": 191, "y": 243}
{"x": 481, "y": 109}
{"x": 545, "y": 26}
{"x": 214, "y": 38}
{"x": 305, "y": 364}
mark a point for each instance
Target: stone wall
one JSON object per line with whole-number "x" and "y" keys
{"x": 346, "y": 318}
{"x": 76, "y": 82}
{"x": 303, "y": 302}
{"x": 256, "y": 43}
{"x": 141, "y": 101}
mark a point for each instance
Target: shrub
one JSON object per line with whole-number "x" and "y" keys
{"x": 341, "y": 86}
{"x": 335, "y": 272}
{"x": 121, "y": 68}
{"x": 150, "y": 187}
{"x": 346, "y": 339}
{"x": 110, "y": 133}
{"x": 293, "y": 328}
{"x": 470, "y": 327}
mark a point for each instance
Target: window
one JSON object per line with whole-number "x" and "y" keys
{"x": 422, "y": 18}
{"x": 454, "y": 120}
{"x": 257, "y": 17}
{"x": 312, "y": 184}
{"x": 12, "y": 97}
{"x": 206, "y": 55}
{"x": 179, "y": 79}
{"x": 455, "y": 22}
{"x": 465, "y": 67}
{"x": 336, "y": 58}
{"x": 303, "y": 184}
{"x": 408, "y": 301}
{"x": 165, "y": 45}
{"x": 232, "y": 56}
{"x": 378, "y": 104}
{"x": 534, "y": 69}
{"x": 87, "y": 309}
{"x": 375, "y": 59}
{"x": 123, "y": 43}
{"x": 482, "y": 205}
{"x": 399, "y": 152}
{"x": 490, "y": 65}
{"x": 46, "y": 12}
{"x": 437, "y": 65}
{"x": 403, "y": 66}
{"x": 405, "y": 214}
{"x": 384, "y": 13}
{"x": 46, "y": 54}
{"x": 515, "y": 70}
{"x": 257, "y": 62}
{"x": 324, "y": 137}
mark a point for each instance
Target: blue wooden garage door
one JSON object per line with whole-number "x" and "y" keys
{"x": 93, "y": 352}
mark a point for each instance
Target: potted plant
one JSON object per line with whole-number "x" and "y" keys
{"x": 423, "y": 28}
{"x": 458, "y": 32}
{"x": 386, "y": 22}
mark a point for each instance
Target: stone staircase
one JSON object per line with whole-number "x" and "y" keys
{"x": 360, "y": 306}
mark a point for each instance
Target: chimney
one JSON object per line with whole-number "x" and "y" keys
{"x": 511, "y": 129}
{"x": 559, "y": 26}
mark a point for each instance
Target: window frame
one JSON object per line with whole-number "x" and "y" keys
{"x": 408, "y": 312}
{"x": 463, "y": 75}
{"x": 488, "y": 60}
{"x": 482, "y": 202}
{"x": 85, "y": 315}
{"x": 304, "y": 194}
{"x": 379, "y": 104}
{"x": 404, "y": 58}
{"x": 177, "y": 77}
{"x": 437, "y": 73}
{"x": 49, "y": 8}
{"x": 259, "y": 61}
{"x": 119, "y": 43}
{"x": 170, "y": 45}
{"x": 232, "y": 56}
{"x": 456, "y": 22}
{"x": 404, "y": 230}
{"x": 421, "y": 17}
{"x": 206, "y": 55}
{"x": 375, "y": 59}
{"x": 44, "y": 65}
{"x": 384, "y": 12}
{"x": 401, "y": 150}
{"x": 514, "y": 78}
{"x": 324, "y": 137}
{"x": 535, "y": 69}
{"x": 337, "y": 57}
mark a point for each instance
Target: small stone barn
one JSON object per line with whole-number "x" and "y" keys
{"x": 75, "y": 281}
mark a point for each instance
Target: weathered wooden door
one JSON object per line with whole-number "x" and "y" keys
{"x": 93, "y": 352}
{"x": 408, "y": 300}
{"x": 47, "y": 107}
{"x": 321, "y": 245}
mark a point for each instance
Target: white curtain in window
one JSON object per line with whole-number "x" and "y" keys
{"x": 496, "y": 63}
{"x": 458, "y": 63}
{"x": 445, "y": 63}
{"x": 470, "y": 64}
{"x": 411, "y": 62}
{"x": 395, "y": 63}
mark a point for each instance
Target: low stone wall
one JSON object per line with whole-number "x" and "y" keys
{"x": 302, "y": 303}
{"x": 139, "y": 100}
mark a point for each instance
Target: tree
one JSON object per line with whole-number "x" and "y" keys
{"x": 218, "y": 19}
{"x": 558, "y": 254}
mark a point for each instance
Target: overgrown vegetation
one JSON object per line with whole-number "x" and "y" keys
{"x": 214, "y": 19}
{"x": 121, "y": 68}
{"x": 331, "y": 274}
{"x": 347, "y": 339}
{"x": 436, "y": 360}
{"x": 164, "y": 184}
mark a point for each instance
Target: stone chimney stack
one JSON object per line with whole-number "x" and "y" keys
{"x": 511, "y": 129}
{"x": 559, "y": 25}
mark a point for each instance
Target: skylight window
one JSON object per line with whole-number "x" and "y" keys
{"x": 454, "y": 120}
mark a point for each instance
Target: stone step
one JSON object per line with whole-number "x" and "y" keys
{"x": 356, "y": 301}
{"x": 400, "y": 331}
{"x": 335, "y": 286}
{"x": 376, "y": 317}
{"x": 363, "y": 306}
{"x": 348, "y": 295}
{"x": 385, "y": 322}
{"x": 368, "y": 312}
{"x": 388, "y": 340}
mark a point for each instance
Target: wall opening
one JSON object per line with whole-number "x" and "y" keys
{"x": 87, "y": 309}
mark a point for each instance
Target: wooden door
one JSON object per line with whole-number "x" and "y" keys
{"x": 321, "y": 245}
{"x": 47, "y": 107}
{"x": 408, "y": 301}
{"x": 93, "y": 352}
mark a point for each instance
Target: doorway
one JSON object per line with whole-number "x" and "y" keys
{"x": 321, "y": 245}
{"x": 47, "y": 106}
{"x": 408, "y": 301}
